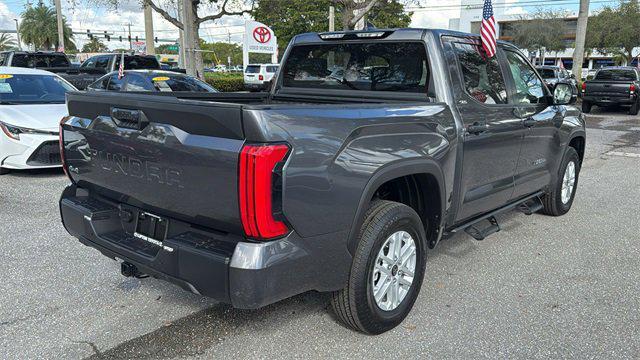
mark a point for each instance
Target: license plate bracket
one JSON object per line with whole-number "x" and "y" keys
{"x": 152, "y": 226}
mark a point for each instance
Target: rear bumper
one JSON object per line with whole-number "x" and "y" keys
{"x": 245, "y": 274}
{"x": 610, "y": 100}
{"x": 257, "y": 86}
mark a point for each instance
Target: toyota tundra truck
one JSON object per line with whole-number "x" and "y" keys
{"x": 369, "y": 149}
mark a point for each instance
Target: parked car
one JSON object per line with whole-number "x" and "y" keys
{"x": 32, "y": 103}
{"x": 150, "y": 80}
{"x": 55, "y": 62}
{"x": 612, "y": 86}
{"x": 335, "y": 181}
{"x": 555, "y": 74}
{"x": 259, "y": 76}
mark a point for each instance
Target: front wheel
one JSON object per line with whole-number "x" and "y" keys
{"x": 559, "y": 199}
{"x": 387, "y": 269}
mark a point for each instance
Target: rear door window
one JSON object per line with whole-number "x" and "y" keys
{"x": 136, "y": 82}
{"x": 483, "y": 80}
{"x": 377, "y": 66}
{"x": 252, "y": 69}
{"x": 272, "y": 69}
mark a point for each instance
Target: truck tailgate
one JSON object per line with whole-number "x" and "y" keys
{"x": 607, "y": 88}
{"x": 171, "y": 157}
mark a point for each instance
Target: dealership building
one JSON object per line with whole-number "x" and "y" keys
{"x": 470, "y": 18}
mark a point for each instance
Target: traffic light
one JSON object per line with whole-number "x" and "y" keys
{"x": 136, "y": 39}
{"x": 120, "y": 38}
{"x": 106, "y": 36}
{"x": 89, "y": 34}
{"x": 129, "y": 38}
{"x": 155, "y": 39}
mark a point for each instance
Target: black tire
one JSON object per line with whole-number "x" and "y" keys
{"x": 4, "y": 171}
{"x": 633, "y": 110}
{"x": 586, "y": 107}
{"x": 355, "y": 305}
{"x": 552, "y": 201}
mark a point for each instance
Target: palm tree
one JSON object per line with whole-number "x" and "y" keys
{"x": 7, "y": 42}
{"x": 39, "y": 28}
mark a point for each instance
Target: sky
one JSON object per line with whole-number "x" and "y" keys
{"x": 87, "y": 15}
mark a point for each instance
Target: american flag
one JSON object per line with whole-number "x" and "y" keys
{"x": 121, "y": 67}
{"x": 488, "y": 29}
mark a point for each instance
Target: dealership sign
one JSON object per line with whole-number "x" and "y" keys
{"x": 259, "y": 38}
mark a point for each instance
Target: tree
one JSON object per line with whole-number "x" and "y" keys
{"x": 95, "y": 46}
{"x": 221, "y": 52}
{"x": 39, "y": 28}
{"x": 7, "y": 42}
{"x": 292, "y": 17}
{"x": 615, "y": 30}
{"x": 540, "y": 31}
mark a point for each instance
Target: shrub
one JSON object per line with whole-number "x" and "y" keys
{"x": 225, "y": 82}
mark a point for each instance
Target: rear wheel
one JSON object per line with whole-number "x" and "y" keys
{"x": 586, "y": 107}
{"x": 387, "y": 270}
{"x": 558, "y": 201}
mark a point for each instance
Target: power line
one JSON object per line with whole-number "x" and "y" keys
{"x": 505, "y": 5}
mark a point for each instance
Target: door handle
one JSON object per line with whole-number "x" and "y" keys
{"x": 477, "y": 128}
{"x": 529, "y": 122}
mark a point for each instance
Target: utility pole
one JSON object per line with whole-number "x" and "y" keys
{"x": 18, "y": 34}
{"x": 148, "y": 30}
{"x": 581, "y": 36}
{"x": 332, "y": 18}
{"x": 180, "y": 37}
{"x": 130, "y": 43}
{"x": 60, "y": 26}
{"x": 188, "y": 37}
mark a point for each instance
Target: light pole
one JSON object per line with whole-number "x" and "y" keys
{"x": 18, "y": 34}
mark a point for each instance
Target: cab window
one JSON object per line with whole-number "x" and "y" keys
{"x": 102, "y": 62}
{"x": 482, "y": 77}
{"x": 528, "y": 86}
{"x": 137, "y": 83}
{"x": 115, "y": 84}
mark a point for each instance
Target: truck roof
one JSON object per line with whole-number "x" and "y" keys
{"x": 392, "y": 34}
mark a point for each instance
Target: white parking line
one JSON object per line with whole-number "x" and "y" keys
{"x": 625, "y": 154}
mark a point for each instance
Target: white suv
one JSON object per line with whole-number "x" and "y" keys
{"x": 259, "y": 76}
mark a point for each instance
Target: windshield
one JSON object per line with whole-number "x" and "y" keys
{"x": 388, "y": 66}
{"x": 253, "y": 69}
{"x": 617, "y": 74}
{"x": 180, "y": 83}
{"x": 32, "y": 89}
{"x": 547, "y": 73}
{"x": 39, "y": 60}
{"x": 138, "y": 62}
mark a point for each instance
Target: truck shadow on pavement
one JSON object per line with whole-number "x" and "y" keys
{"x": 194, "y": 334}
{"x": 35, "y": 173}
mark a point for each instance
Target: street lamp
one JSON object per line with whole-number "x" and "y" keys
{"x": 18, "y": 34}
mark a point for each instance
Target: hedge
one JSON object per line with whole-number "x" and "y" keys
{"x": 225, "y": 82}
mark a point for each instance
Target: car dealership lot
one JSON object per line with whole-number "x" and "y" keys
{"x": 542, "y": 287}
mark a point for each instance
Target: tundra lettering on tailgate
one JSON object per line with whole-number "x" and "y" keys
{"x": 137, "y": 168}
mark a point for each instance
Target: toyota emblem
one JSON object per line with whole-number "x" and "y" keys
{"x": 262, "y": 34}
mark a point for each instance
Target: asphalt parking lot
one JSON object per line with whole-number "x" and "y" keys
{"x": 543, "y": 287}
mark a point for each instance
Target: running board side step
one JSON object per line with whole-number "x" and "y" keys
{"x": 531, "y": 206}
{"x": 480, "y": 234}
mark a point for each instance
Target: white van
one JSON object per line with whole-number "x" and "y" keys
{"x": 259, "y": 76}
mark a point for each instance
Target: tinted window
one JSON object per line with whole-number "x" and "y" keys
{"x": 100, "y": 83}
{"x": 3, "y": 57}
{"x": 180, "y": 83}
{"x": 20, "y": 60}
{"x": 253, "y": 69}
{"x": 138, "y": 62}
{"x": 39, "y": 60}
{"x": 115, "y": 84}
{"x": 616, "y": 74}
{"x": 89, "y": 63}
{"x": 137, "y": 83}
{"x": 482, "y": 77}
{"x": 529, "y": 88}
{"x": 389, "y": 66}
{"x": 33, "y": 89}
{"x": 58, "y": 61}
{"x": 102, "y": 62}
{"x": 547, "y": 73}
{"x": 272, "y": 69}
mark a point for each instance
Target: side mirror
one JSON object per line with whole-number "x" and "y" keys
{"x": 563, "y": 94}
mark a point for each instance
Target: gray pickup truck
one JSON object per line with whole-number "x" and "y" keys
{"x": 612, "y": 86}
{"x": 370, "y": 148}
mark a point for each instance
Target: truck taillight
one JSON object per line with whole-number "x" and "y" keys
{"x": 258, "y": 170}
{"x": 584, "y": 87}
{"x": 632, "y": 89}
{"x": 260, "y": 77}
{"x": 61, "y": 144}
